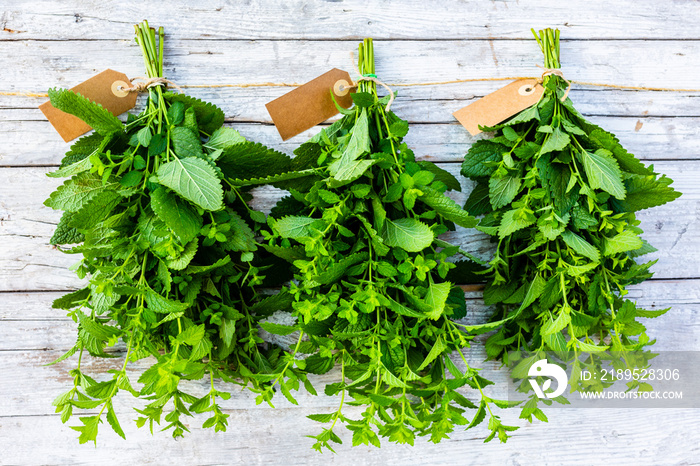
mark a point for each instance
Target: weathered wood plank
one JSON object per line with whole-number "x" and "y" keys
{"x": 667, "y": 63}
{"x": 572, "y": 437}
{"x": 470, "y": 19}
{"x": 28, "y": 262}
{"x": 649, "y": 138}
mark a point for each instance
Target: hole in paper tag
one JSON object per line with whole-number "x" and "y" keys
{"x": 499, "y": 105}
{"x": 118, "y": 88}
{"x": 310, "y": 104}
{"x": 106, "y": 89}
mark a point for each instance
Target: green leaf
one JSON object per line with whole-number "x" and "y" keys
{"x": 65, "y": 234}
{"x": 294, "y": 227}
{"x": 193, "y": 179}
{"x": 177, "y": 214}
{"x": 502, "y": 191}
{"x": 589, "y": 348}
{"x": 224, "y": 139}
{"x": 623, "y": 242}
{"x": 277, "y": 329}
{"x": 97, "y": 209}
{"x": 161, "y": 305}
{"x": 316, "y": 364}
{"x": 436, "y": 298}
{"x": 441, "y": 175}
{"x": 88, "y": 431}
{"x": 192, "y": 335}
{"x": 515, "y": 220}
{"x": 446, "y": 207}
{"x": 408, "y": 234}
{"x": 555, "y": 141}
{"x": 114, "y": 422}
{"x": 644, "y": 192}
{"x": 534, "y": 291}
{"x": 96, "y": 116}
{"x": 478, "y": 202}
{"x": 144, "y": 136}
{"x": 603, "y": 172}
{"x": 77, "y": 192}
{"x": 185, "y": 143}
{"x": 608, "y": 141}
{"x": 349, "y": 171}
{"x": 553, "y": 326}
{"x": 209, "y": 116}
{"x": 403, "y": 310}
{"x": 250, "y": 160}
{"x": 482, "y": 151}
{"x": 336, "y": 270}
{"x": 185, "y": 256}
{"x": 580, "y": 245}
{"x": 651, "y": 314}
{"x": 72, "y": 299}
{"x": 273, "y": 180}
{"x": 436, "y": 351}
{"x": 73, "y": 169}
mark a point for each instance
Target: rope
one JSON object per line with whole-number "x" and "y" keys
{"x": 427, "y": 83}
{"x": 146, "y": 83}
{"x": 554, "y": 72}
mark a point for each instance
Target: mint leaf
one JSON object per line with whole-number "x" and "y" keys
{"x": 96, "y": 116}
{"x": 194, "y": 180}
{"x": 408, "y": 234}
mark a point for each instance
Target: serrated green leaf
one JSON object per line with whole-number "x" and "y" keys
{"x": 438, "y": 348}
{"x": 93, "y": 114}
{"x": 580, "y": 245}
{"x": 77, "y": 191}
{"x": 446, "y": 207}
{"x": 194, "y": 180}
{"x": 623, "y": 242}
{"x": 294, "y": 227}
{"x": 162, "y": 305}
{"x": 65, "y": 234}
{"x": 603, "y": 172}
{"x": 408, "y": 234}
{"x": 482, "y": 151}
{"x": 514, "y": 220}
{"x": 502, "y": 191}
{"x": 177, "y": 214}
{"x": 185, "y": 143}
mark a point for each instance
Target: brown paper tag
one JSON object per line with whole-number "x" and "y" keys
{"x": 102, "y": 89}
{"x": 310, "y": 104}
{"x": 499, "y": 105}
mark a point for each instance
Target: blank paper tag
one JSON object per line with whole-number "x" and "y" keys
{"x": 500, "y": 105}
{"x": 310, "y": 104}
{"x": 102, "y": 89}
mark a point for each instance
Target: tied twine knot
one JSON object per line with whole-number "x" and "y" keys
{"x": 373, "y": 78}
{"x": 554, "y": 72}
{"x": 142, "y": 84}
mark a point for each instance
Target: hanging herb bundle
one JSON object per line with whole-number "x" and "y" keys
{"x": 559, "y": 196}
{"x": 371, "y": 290}
{"x": 170, "y": 254}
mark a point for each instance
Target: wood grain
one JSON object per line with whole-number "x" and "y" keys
{"x": 298, "y": 19}
{"x": 49, "y": 43}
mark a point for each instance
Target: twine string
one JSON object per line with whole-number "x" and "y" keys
{"x": 409, "y": 84}
{"x": 142, "y": 84}
{"x": 373, "y": 78}
{"x": 555, "y": 72}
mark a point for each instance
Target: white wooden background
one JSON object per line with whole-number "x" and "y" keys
{"x": 60, "y": 43}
